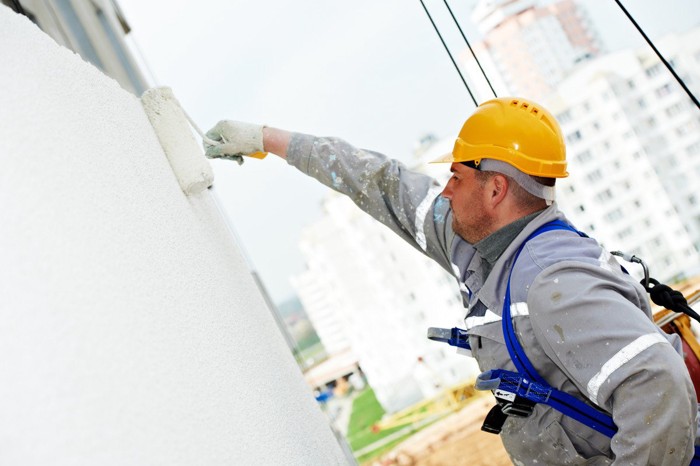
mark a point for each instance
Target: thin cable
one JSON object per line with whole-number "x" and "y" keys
{"x": 448, "y": 53}
{"x": 668, "y": 65}
{"x": 470, "y": 47}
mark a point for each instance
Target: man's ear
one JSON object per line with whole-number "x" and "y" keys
{"x": 498, "y": 189}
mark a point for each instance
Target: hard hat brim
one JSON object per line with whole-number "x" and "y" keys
{"x": 445, "y": 158}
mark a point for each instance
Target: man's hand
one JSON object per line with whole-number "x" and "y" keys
{"x": 234, "y": 140}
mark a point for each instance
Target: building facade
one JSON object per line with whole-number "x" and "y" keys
{"x": 534, "y": 43}
{"x": 632, "y": 134}
{"x": 365, "y": 286}
{"x": 633, "y": 142}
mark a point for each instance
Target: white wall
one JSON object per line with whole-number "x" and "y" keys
{"x": 131, "y": 331}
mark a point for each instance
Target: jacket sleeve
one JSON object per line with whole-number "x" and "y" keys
{"x": 407, "y": 202}
{"x": 588, "y": 323}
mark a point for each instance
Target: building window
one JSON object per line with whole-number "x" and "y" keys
{"x": 674, "y": 109}
{"x": 626, "y": 233}
{"x": 584, "y": 156}
{"x": 603, "y": 196}
{"x": 653, "y": 70}
{"x": 574, "y": 137}
{"x": 614, "y": 215}
{"x": 594, "y": 176}
{"x": 663, "y": 91}
{"x": 564, "y": 117}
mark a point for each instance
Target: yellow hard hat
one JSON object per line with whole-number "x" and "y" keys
{"x": 516, "y": 131}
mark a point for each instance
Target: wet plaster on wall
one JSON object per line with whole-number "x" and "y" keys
{"x": 130, "y": 329}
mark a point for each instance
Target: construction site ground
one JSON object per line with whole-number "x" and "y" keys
{"x": 455, "y": 440}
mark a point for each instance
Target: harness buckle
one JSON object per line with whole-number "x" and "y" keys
{"x": 493, "y": 423}
{"x": 514, "y": 405}
{"x": 518, "y": 408}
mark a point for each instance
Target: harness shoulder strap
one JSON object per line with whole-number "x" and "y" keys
{"x": 561, "y": 401}
{"x": 517, "y": 354}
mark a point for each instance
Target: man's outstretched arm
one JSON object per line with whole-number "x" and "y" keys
{"x": 276, "y": 141}
{"x": 405, "y": 201}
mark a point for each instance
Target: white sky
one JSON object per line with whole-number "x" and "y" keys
{"x": 370, "y": 71}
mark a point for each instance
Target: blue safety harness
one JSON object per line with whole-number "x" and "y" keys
{"x": 526, "y": 382}
{"x": 526, "y": 387}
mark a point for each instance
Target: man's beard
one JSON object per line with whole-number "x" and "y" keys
{"x": 471, "y": 234}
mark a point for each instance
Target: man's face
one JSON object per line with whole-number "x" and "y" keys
{"x": 467, "y": 195}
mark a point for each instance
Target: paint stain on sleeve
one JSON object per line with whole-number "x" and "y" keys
{"x": 560, "y": 331}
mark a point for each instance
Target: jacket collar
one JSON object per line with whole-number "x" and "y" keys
{"x": 491, "y": 290}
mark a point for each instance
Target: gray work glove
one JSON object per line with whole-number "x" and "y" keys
{"x": 231, "y": 140}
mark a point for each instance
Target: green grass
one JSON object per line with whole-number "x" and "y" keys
{"x": 366, "y": 411}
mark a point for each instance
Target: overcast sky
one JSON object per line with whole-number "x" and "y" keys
{"x": 370, "y": 71}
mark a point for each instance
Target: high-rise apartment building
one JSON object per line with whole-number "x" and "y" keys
{"x": 534, "y": 43}
{"x": 633, "y": 144}
{"x": 367, "y": 287}
{"x": 94, "y": 29}
{"x": 631, "y": 132}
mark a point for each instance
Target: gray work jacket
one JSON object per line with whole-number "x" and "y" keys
{"x": 585, "y": 325}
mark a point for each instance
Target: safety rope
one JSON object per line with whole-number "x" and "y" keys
{"x": 658, "y": 54}
{"x": 671, "y": 299}
{"x": 449, "y": 53}
{"x": 470, "y": 48}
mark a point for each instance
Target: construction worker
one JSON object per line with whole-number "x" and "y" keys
{"x": 584, "y": 324}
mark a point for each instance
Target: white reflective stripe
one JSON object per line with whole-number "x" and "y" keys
{"x": 422, "y": 211}
{"x": 516, "y": 309}
{"x": 519, "y": 309}
{"x": 604, "y": 260}
{"x": 487, "y": 318}
{"x": 626, "y": 354}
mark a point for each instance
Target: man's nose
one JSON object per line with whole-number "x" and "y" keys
{"x": 447, "y": 192}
